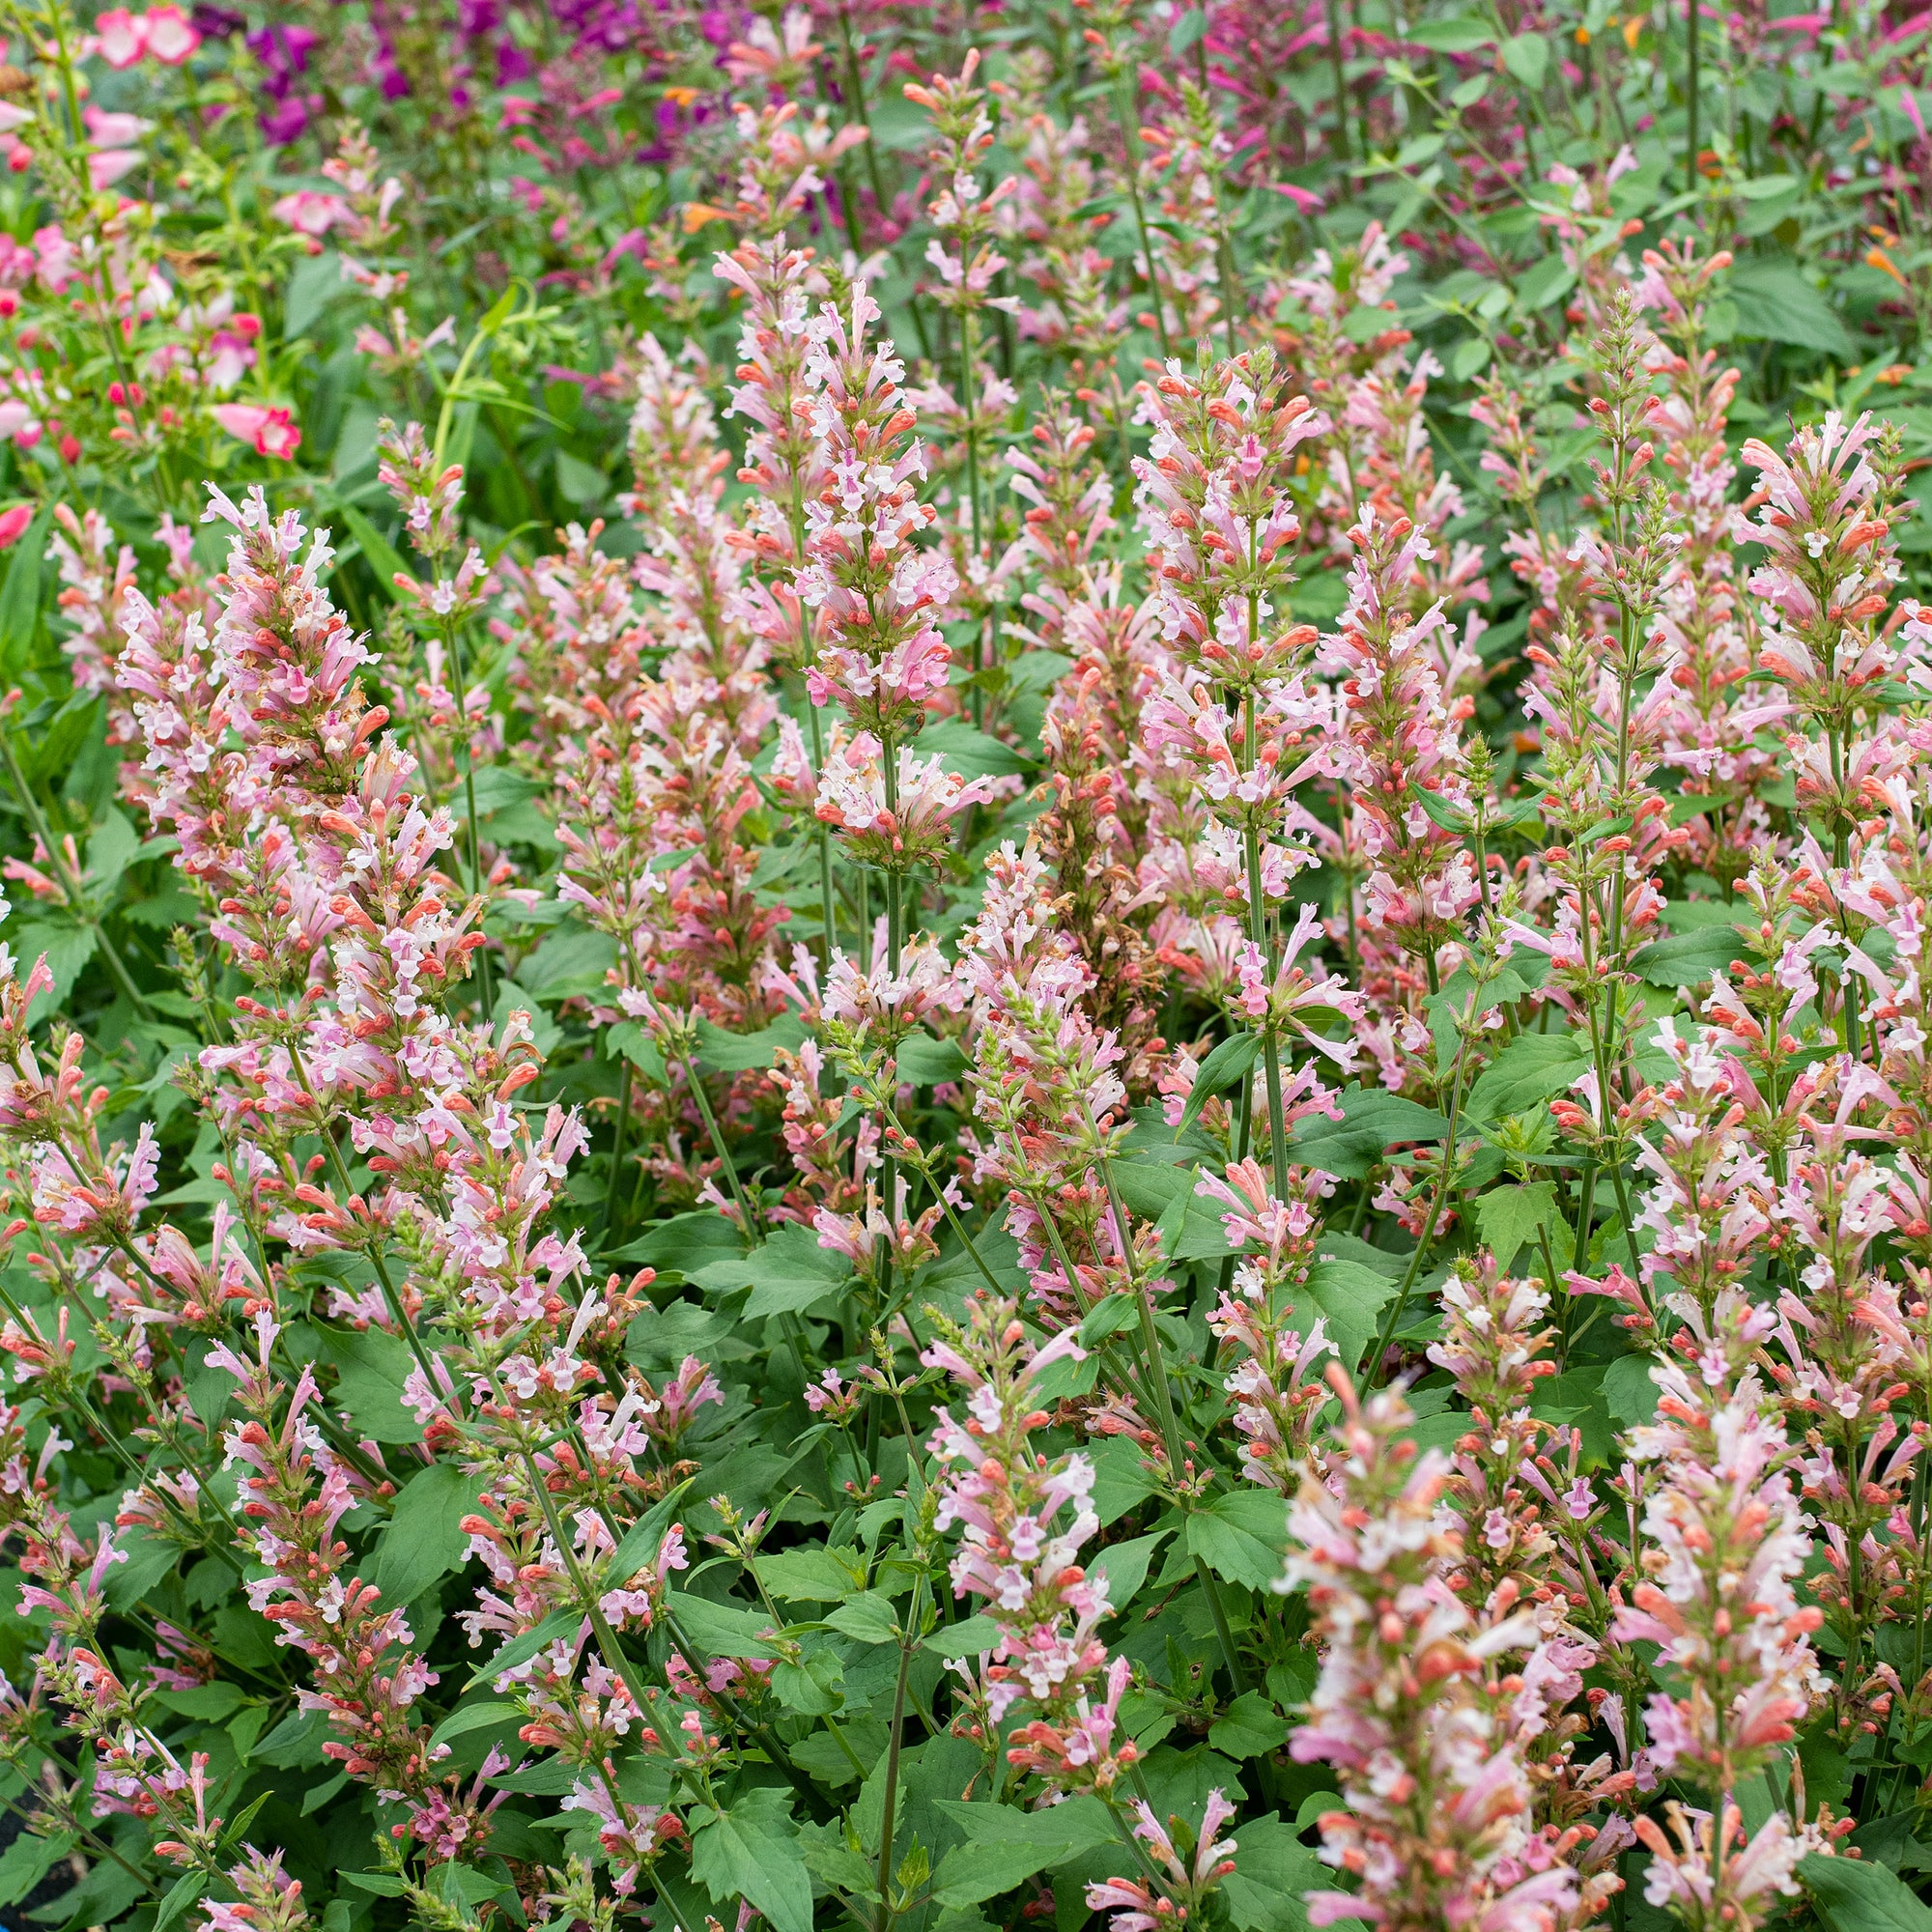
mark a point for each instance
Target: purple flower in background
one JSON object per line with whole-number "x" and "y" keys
{"x": 283, "y": 53}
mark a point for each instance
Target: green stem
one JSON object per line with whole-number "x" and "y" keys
{"x": 390, "y": 1294}
{"x": 1341, "y": 81}
{"x": 69, "y": 884}
{"x": 1691, "y": 169}
{"x": 453, "y": 643}
{"x": 889, "y": 1820}
{"x": 618, "y": 1144}
{"x": 1386, "y": 1333}
{"x": 1130, "y": 140}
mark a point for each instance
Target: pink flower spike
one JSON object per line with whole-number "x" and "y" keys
{"x": 13, "y": 523}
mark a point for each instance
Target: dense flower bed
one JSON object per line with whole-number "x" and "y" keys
{"x": 965, "y": 966}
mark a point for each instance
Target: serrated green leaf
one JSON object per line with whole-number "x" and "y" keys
{"x": 1508, "y": 1217}
{"x": 752, "y": 1851}
{"x": 1241, "y": 1536}
{"x": 28, "y": 1860}
{"x": 965, "y": 1638}
{"x": 425, "y": 1540}
{"x": 1274, "y": 1873}
{"x": 1689, "y": 958}
{"x": 1528, "y": 1073}
{"x": 1861, "y": 1896}
{"x": 372, "y": 1365}
{"x": 866, "y": 1617}
{"x": 1250, "y": 1727}
{"x": 925, "y": 1062}
{"x": 812, "y": 1574}
{"x": 1125, "y": 1566}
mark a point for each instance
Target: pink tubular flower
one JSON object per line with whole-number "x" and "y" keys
{"x": 163, "y": 33}
{"x": 1411, "y": 1711}
{"x": 269, "y": 432}
{"x": 1024, "y": 1523}
{"x": 310, "y": 212}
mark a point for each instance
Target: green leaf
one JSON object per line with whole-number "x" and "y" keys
{"x": 1373, "y": 1121}
{"x": 296, "y": 1743}
{"x": 969, "y": 1874}
{"x": 571, "y": 962}
{"x": 1528, "y": 1073}
{"x": 474, "y": 1717}
{"x": 1351, "y": 1295}
{"x": 384, "y": 1884}
{"x": 1544, "y": 283}
{"x": 1689, "y": 958}
{"x": 752, "y": 1851}
{"x": 27, "y": 1862}
{"x": 1527, "y": 58}
{"x": 1121, "y": 1478}
{"x": 579, "y": 482}
{"x": 1273, "y": 1874}
{"x": 111, "y": 847}
{"x": 1110, "y": 1314}
{"x": 813, "y": 1574}
{"x": 925, "y": 1062}
{"x": 966, "y": 1638}
{"x": 558, "y": 1626}
{"x": 68, "y": 950}
{"x": 1857, "y": 1895}
{"x": 1629, "y": 1393}
{"x": 786, "y": 1275}
{"x": 1222, "y": 1067}
{"x": 382, "y": 554}
{"x": 1457, "y": 36}
{"x": 1078, "y": 1825}
{"x": 182, "y": 1893}
{"x": 372, "y": 1365}
{"x": 1188, "y": 28}
{"x": 1125, "y": 1566}
{"x": 810, "y": 1686}
{"x": 210, "y": 1702}
{"x": 1775, "y": 302}
{"x": 972, "y": 754}
{"x": 148, "y": 1560}
{"x": 20, "y": 597}
{"x": 642, "y": 1539}
{"x": 1250, "y": 1727}
{"x": 720, "y": 1629}
{"x": 723, "y": 1052}
{"x": 866, "y": 1617}
{"x": 425, "y": 1540}
{"x": 1241, "y": 1536}
{"x": 1510, "y": 1217}
{"x": 685, "y": 1242}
